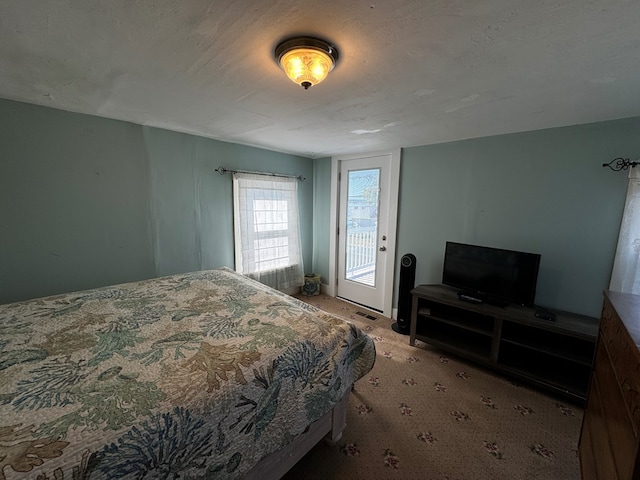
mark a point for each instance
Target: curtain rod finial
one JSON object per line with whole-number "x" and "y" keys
{"x": 620, "y": 163}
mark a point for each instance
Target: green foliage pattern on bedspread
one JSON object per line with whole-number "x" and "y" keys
{"x": 195, "y": 375}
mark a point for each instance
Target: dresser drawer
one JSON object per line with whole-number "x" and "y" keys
{"x": 625, "y": 360}
{"x": 622, "y": 439}
{"x": 596, "y": 455}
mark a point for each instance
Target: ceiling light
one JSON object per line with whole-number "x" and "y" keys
{"x": 306, "y": 60}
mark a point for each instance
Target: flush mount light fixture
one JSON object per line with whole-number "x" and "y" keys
{"x": 306, "y": 60}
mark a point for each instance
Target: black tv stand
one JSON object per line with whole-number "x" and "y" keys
{"x": 554, "y": 355}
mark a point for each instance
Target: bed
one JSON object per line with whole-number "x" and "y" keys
{"x": 200, "y": 375}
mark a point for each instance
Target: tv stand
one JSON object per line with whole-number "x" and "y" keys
{"x": 556, "y": 356}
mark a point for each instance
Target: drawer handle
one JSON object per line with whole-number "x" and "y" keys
{"x": 629, "y": 388}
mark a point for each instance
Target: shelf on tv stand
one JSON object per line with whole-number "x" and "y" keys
{"x": 553, "y": 355}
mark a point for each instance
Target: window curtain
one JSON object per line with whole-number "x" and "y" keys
{"x": 266, "y": 230}
{"x": 626, "y": 265}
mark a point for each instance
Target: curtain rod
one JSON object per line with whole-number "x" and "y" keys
{"x": 222, "y": 171}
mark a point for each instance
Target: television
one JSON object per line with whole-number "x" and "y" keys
{"x": 492, "y": 275}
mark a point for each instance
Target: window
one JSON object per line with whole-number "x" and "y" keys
{"x": 267, "y": 235}
{"x": 626, "y": 266}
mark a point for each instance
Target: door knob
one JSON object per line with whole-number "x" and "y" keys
{"x": 383, "y": 249}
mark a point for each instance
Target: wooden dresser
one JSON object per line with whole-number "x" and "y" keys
{"x": 610, "y": 438}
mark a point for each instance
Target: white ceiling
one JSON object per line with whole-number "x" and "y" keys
{"x": 411, "y": 72}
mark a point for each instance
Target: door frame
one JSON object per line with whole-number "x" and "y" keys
{"x": 392, "y": 222}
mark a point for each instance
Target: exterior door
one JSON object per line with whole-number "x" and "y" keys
{"x": 366, "y": 237}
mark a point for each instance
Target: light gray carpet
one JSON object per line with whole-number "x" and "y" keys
{"x": 424, "y": 414}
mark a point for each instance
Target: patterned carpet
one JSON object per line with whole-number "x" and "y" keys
{"x": 423, "y": 414}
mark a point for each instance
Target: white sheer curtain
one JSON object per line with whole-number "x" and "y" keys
{"x": 626, "y": 272}
{"x": 266, "y": 229}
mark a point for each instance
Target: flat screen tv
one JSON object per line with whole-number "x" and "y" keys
{"x": 492, "y": 275}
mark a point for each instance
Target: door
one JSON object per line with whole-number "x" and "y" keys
{"x": 366, "y": 231}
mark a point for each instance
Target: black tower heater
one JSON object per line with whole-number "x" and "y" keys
{"x": 407, "y": 280}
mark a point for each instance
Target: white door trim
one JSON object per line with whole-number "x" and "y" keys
{"x": 392, "y": 222}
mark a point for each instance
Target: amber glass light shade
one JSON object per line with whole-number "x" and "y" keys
{"x": 306, "y": 61}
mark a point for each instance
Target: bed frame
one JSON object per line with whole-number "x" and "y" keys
{"x": 330, "y": 426}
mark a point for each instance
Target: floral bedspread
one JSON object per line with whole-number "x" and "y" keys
{"x": 195, "y": 375}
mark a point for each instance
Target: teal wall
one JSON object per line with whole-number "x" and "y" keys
{"x": 543, "y": 191}
{"x": 74, "y": 202}
{"x": 321, "y": 216}
{"x": 86, "y": 201}
{"x": 192, "y": 205}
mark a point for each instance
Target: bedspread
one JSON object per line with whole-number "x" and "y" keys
{"x": 195, "y": 375}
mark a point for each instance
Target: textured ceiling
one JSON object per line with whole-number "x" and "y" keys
{"x": 411, "y": 72}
